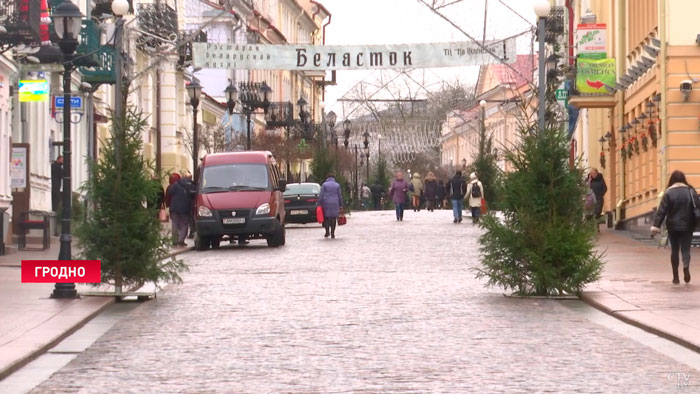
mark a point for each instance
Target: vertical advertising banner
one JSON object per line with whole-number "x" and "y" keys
{"x": 595, "y": 76}
{"x": 18, "y": 168}
{"x": 591, "y": 41}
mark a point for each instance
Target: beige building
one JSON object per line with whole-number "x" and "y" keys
{"x": 500, "y": 92}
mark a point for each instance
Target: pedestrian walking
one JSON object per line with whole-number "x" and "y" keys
{"x": 157, "y": 201}
{"x": 456, "y": 188}
{"x": 416, "y": 191}
{"x": 56, "y": 182}
{"x": 172, "y": 179}
{"x": 599, "y": 188}
{"x": 331, "y": 201}
{"x": 398, "y": 192}
{"x": 365, "y": 195}
{"x": 431, "y": 191}
{"x": 678, "y": 207}
{"x": 180, "y": 208}
{"x": 191, "y": 190}
{"x": 377, "y": 191}
{"x": 475, "y": 193}
{"x": 441, "y": 193}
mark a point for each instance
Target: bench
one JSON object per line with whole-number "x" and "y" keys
{"x": 33, "y": 220}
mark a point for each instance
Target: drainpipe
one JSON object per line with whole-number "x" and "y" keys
{"x": 570, "y": 8}
{"x": 621, "y": 57}
{"x": 663, "y": 36}
{"x": 159, "y": 163}
{"x": 330, "y": 17}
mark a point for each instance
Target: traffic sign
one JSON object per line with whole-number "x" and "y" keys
{"x": 562, "y": 95}
{"x": 75, "y": 102}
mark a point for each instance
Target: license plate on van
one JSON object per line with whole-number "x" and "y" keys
{"x": 299, "y": 212}
{"x": 233, "y": 220}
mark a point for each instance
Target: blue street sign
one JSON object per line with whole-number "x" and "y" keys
{"x": 75, "y": 102}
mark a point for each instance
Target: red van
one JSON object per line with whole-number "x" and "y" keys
{"x": 239, "y": 197}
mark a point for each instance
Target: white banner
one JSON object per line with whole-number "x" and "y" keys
{"x": 351, "y": 57}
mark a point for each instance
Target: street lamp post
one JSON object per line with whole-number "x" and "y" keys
{"x": 366, "y": 148}
{"x": 119, "y": 8}
{"x": 194, "y": 90}
{"x": 356, "y": 179}
{"x": 251, "y": 100}
{"x": 231, "y": 97}
{"x": 542, "y": 9}
{"x": 331, "y": 118}
{"x": 67, "y": 20}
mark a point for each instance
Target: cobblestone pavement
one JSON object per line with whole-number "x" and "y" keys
{"x": 385, "y": 307}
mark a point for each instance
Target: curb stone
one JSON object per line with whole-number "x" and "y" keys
{"x": 27, "y": 358}
{"x": 639, "y": 324}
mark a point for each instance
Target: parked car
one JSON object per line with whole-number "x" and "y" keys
{"x": 300, "y": 201}
{"x": 240, "y": 197}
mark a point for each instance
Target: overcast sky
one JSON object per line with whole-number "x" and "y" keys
{"x": 409, "y": 21}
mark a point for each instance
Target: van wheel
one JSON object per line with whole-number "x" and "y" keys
{"x": 278, "y": 238}
{"x": 215, "y": 243}
{"x": 201, "y": 243}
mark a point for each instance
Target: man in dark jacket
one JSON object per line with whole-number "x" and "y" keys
{"x": 377, "y": 191}
{"x": 191, "y": 190}
{"x": 456, "y": 188}
{"x": 180, "y": 209}
{"x": 597, "y": 184}
{"x": 56, "y": 182}
{"x": 440, "y": 194}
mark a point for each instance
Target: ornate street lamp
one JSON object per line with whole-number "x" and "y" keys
{"x": 551, "y": 66}
{"x": 67, "y": 20}
{"x": 542, "y": 8}
{"x": 365, "y": 142}
{"x": 254, "y": 95}
{"x": 194, "y": 90}
{"x": 346, "y": 132}
{"x": 231, "y": 96}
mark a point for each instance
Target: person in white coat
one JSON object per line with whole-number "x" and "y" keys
{"x": 475, "y": 192}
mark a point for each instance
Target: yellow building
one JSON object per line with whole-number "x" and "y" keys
{"x": 656, "y": 105}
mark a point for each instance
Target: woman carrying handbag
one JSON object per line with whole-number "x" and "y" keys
{"x": 679, "y": 207}
{"x": 331, "y": 201}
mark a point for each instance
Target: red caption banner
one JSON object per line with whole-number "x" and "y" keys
{"x": 61, "y": 271}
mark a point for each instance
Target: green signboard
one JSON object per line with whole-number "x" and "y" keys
{"x": 595, "y": 76}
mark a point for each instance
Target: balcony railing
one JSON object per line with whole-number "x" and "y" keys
{"x": 22, "y": 20}
{"x": 159, "y": 20}
{"x": 280, "y": 114}
{"x": 100, "y": 57}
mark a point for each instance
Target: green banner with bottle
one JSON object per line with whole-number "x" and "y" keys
{"x": 595, "y": 76}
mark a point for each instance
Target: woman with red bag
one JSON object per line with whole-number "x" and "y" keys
{"x": 331, "y": 201}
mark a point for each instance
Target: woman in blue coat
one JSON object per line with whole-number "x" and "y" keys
{"x": 331, "y": 200}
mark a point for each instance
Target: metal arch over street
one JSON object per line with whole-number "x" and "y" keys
{"x": 351, "y": 57}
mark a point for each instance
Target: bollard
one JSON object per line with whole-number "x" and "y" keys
{"x": 2, "y": 231}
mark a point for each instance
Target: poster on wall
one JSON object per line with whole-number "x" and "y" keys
{"x": 18, "y": 168}
{"x": 595, "y": 76}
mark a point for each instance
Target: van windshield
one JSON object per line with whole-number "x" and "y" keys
{"x": 232, "y": 177}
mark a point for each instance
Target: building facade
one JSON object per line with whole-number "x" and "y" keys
{"x": 649, "y": 127}
{"x": 502, "y": 93}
